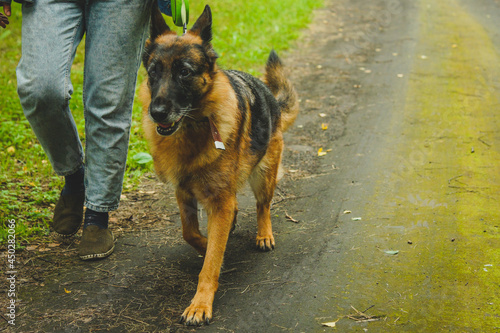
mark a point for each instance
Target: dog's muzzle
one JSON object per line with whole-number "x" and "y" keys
{"x": 161, "y": 113}
{"x": 168, "y": 129}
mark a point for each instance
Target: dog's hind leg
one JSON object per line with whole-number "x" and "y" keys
{"x": 263, "y": 181}
{"x": 188, "y": 207}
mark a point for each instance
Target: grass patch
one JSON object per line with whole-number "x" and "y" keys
{"x": 244, "y": 34}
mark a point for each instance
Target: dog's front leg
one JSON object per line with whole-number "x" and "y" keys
{"x": 220, "y": 218}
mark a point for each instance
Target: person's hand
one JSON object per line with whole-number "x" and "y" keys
{"x": 3, "y": 19}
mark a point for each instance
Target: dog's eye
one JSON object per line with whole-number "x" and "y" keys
{"x": 155, "y": 70}
{"x": 185, "y": 72}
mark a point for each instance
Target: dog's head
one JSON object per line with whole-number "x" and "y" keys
{"x": 180, "y": 70}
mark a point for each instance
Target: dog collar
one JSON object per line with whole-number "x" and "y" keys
{"x": 216, "y": 135}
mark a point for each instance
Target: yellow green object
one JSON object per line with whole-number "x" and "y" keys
{"x": 180, "y": 12}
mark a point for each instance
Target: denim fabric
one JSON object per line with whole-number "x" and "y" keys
{"x": 115, "y": 34}
{"x": 163, "y": 4}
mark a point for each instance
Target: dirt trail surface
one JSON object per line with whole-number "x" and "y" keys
{"x": 394, "y": 229}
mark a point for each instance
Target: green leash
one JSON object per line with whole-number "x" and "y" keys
{"x": 180, "y": 13}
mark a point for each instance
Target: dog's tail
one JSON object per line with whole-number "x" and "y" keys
{"x": 282, "y": 90}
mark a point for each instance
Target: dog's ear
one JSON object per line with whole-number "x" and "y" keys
{"x": 203, "y": 25}
{"x": 203, "y": 28}
{"x": 158, "y": 25}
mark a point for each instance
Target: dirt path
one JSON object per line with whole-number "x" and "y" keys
{"x": 399, "y": 220}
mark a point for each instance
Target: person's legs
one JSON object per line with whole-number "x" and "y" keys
{"x": 116, "y": 32}
{"x": 51, "y": 32}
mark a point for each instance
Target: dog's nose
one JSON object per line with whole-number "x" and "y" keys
{"x": 159, "y": 109}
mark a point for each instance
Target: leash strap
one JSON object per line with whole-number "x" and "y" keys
{"x": 184, "y": 16}
{"x": 180, "y": 13}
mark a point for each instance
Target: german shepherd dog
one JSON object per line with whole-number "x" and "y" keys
{"x": 210, "y": 130}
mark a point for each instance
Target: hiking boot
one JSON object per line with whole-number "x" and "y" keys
{"x": 68, "y": 214}
{"x": 96, "y": 243}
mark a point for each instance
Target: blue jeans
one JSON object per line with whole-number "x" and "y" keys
{"x": 115, "y": 34}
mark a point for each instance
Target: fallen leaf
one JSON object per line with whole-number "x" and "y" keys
{"x": 324, "y": 126}
{"x": 54, "y": 244}
{"x": 347, "y": 211}
{"x": 31, "y": 247}
{"x": 321, "y": 152}
{"x": 67, "y": 291}
{"x": 330, "y": 324}
{"x": 11, "y": 150}
{"x": 392, "y": 253}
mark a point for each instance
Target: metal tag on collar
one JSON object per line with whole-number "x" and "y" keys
{"x": 216, "y": 136}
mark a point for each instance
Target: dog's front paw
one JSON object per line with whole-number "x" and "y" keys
{"x": 197, "y": 314}
{"x": 265, "y": 243}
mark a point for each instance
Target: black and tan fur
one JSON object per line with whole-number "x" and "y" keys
{"x": 185, "y": 89}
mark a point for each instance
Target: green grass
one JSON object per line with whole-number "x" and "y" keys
{"x": 244, "y": 34}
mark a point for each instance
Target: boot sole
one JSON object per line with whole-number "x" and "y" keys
{"x": 98, "y": 255}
